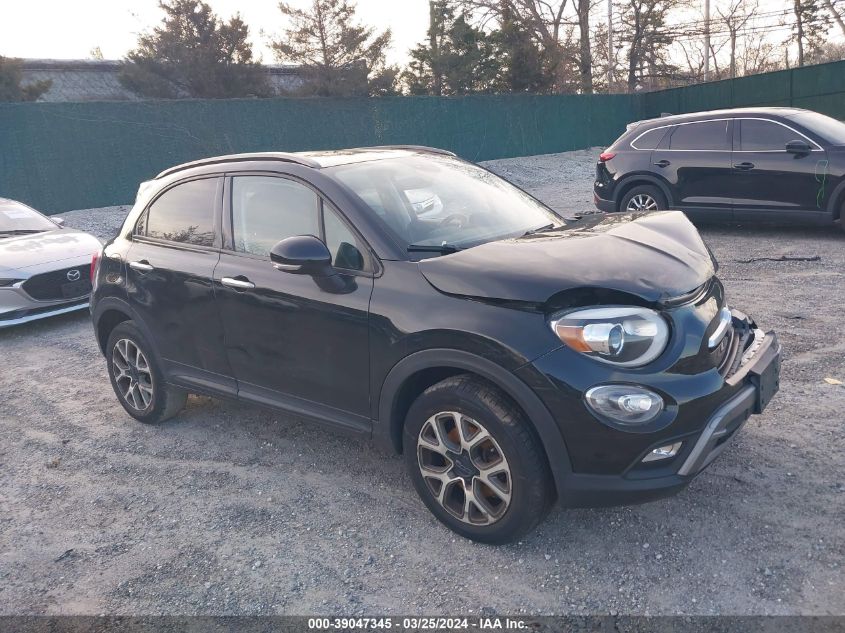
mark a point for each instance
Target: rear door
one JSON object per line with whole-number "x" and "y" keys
{"x": 175, "y": 247}
{"x": 695, "y": 159}
{"x": 770, "y": 183}
{"x": 294, "y": 341}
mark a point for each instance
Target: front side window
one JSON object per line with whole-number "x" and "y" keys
{"x": 431, "y": 201}
{"x": 758, "y": 135}
{"x": 828, "y": 128}
{"x": 266, "y": 210}
{"x": 184, "y": 214}
{"x": 704, "y": 135}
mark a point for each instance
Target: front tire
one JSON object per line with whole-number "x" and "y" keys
{"x": 137, "y": 379}
{"x": 475, "y": 461}
{"x": 643, "y": 198}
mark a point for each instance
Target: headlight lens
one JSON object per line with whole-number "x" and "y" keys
{"x": 626, "y": 336}
{"x": 8, "y": 282}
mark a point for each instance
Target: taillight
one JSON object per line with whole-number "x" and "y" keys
{"x": 94, "y": 259}
{"x": 606, "y": 156}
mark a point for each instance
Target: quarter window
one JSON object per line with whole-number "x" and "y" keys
{"x": 705, "y": 135}
{"x": 650, "y": 139}
{"x": 757, "y": 135}
{"x": 347, "y": 251}
{"x": 183, "y": 214}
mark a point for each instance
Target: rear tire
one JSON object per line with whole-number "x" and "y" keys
{"x": 643, "y": 198}
{"x": 136, "y": 377}
{"x": 475, "y": 460}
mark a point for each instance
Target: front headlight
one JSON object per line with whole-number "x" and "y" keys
{"x": 8, "y": 282}
{"x": 626, "y": 336}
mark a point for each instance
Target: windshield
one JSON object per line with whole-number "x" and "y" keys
{"x": 17, "y": 217}
{"x": 829, "y": 129}
{"x": 434, "y": 201}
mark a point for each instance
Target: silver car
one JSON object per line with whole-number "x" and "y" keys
{"x": 45, "y": 269}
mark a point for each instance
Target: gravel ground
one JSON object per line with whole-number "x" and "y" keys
{"x": 230, "y": 509}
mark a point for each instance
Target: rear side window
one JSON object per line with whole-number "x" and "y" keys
{"x": 757, "y": 135}
{"x": 266, "y": 210}
{"x": 704, "y": 135}
{"x": 184, "y": 214}
{"x": 650, "y": 139}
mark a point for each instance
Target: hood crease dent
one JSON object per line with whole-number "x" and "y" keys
{"x": 655, "y": 256}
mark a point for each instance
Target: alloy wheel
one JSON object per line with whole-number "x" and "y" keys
{"x": 464, "y": 468}
{"x": 642, "y": 202}
{"x": 132, "y": 374}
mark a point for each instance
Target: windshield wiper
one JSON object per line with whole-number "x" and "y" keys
{"x": 542, "y": 229}
{"x": 21, "y": 232}
{"x": 443, "y": 248}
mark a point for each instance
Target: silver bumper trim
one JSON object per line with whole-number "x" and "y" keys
{"x": 705, "y": 449}
{"x": 42, "y": 315}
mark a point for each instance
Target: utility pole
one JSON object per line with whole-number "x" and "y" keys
{"x": 706, "y": 40}
{"x": 609, "y": 45}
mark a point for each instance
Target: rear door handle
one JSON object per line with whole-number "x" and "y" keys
{"x": 662, "y": 163}
{"x": 143, "y": 266}
{"x": 237, "y": 283}
{"x": 744, "y": 166}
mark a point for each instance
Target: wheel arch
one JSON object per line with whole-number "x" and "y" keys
{"x": 418, "y": 371}
{"x": 108, "y": 314}
{"x": 836, "y": 205}
{"x": 629, "y": 182}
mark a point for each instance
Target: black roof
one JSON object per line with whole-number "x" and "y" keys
{"x": 726, "y": 112}
{"x": 315, "y": 160}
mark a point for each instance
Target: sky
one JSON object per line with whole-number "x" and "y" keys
{"x": 70, "y": 29}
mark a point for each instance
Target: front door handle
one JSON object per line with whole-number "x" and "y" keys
{"x": 142, "y": 266}
{"x": 744, "y": 166}
{"x": 662, "y": 163}
{"x": 241, "y": 283}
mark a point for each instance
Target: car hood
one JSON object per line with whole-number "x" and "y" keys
{"x": 25, "y": 251}
{"x": 655, "y": 256}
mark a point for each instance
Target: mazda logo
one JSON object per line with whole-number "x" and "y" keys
{"x": 73, "y": 275}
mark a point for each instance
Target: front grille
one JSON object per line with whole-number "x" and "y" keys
{"x": 55, "y": 285}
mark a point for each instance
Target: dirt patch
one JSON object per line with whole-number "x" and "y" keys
{"x": 233, "y": 510}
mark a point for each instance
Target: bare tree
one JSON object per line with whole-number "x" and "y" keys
{"x": 834, "y": 13}
{"x": 585, "y": 57}
{"x": 811, "y": 25}
{"x": 645, "y": 33}
{"x": 734, "y": 17}
{"x": 551, "y": 22}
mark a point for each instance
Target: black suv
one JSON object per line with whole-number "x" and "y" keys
{"x": 512, "y": 356}
{"x": 763, "y": 164}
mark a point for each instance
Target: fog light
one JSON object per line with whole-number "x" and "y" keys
{"x": 625, "y": 403}
{"x": 663, "y": 452}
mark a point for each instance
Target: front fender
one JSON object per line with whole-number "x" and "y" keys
{"x": 387, "y": 429}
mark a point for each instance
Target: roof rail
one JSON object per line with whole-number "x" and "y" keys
{"x": 235, "y": 158}
{"x": 415, "y": 148}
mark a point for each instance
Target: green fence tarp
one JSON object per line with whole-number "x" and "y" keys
{"x": 62, "y": 156}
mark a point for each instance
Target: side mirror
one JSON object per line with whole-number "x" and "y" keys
{"x": 302, "y": 255}
{"x": 59, "y": 221}
{"x": 798, "y": 147}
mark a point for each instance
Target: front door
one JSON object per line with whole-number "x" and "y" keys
{"x": 293, "y": 340}
{"x": 771, "y": 183}
{"x": 695, "y": 159}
